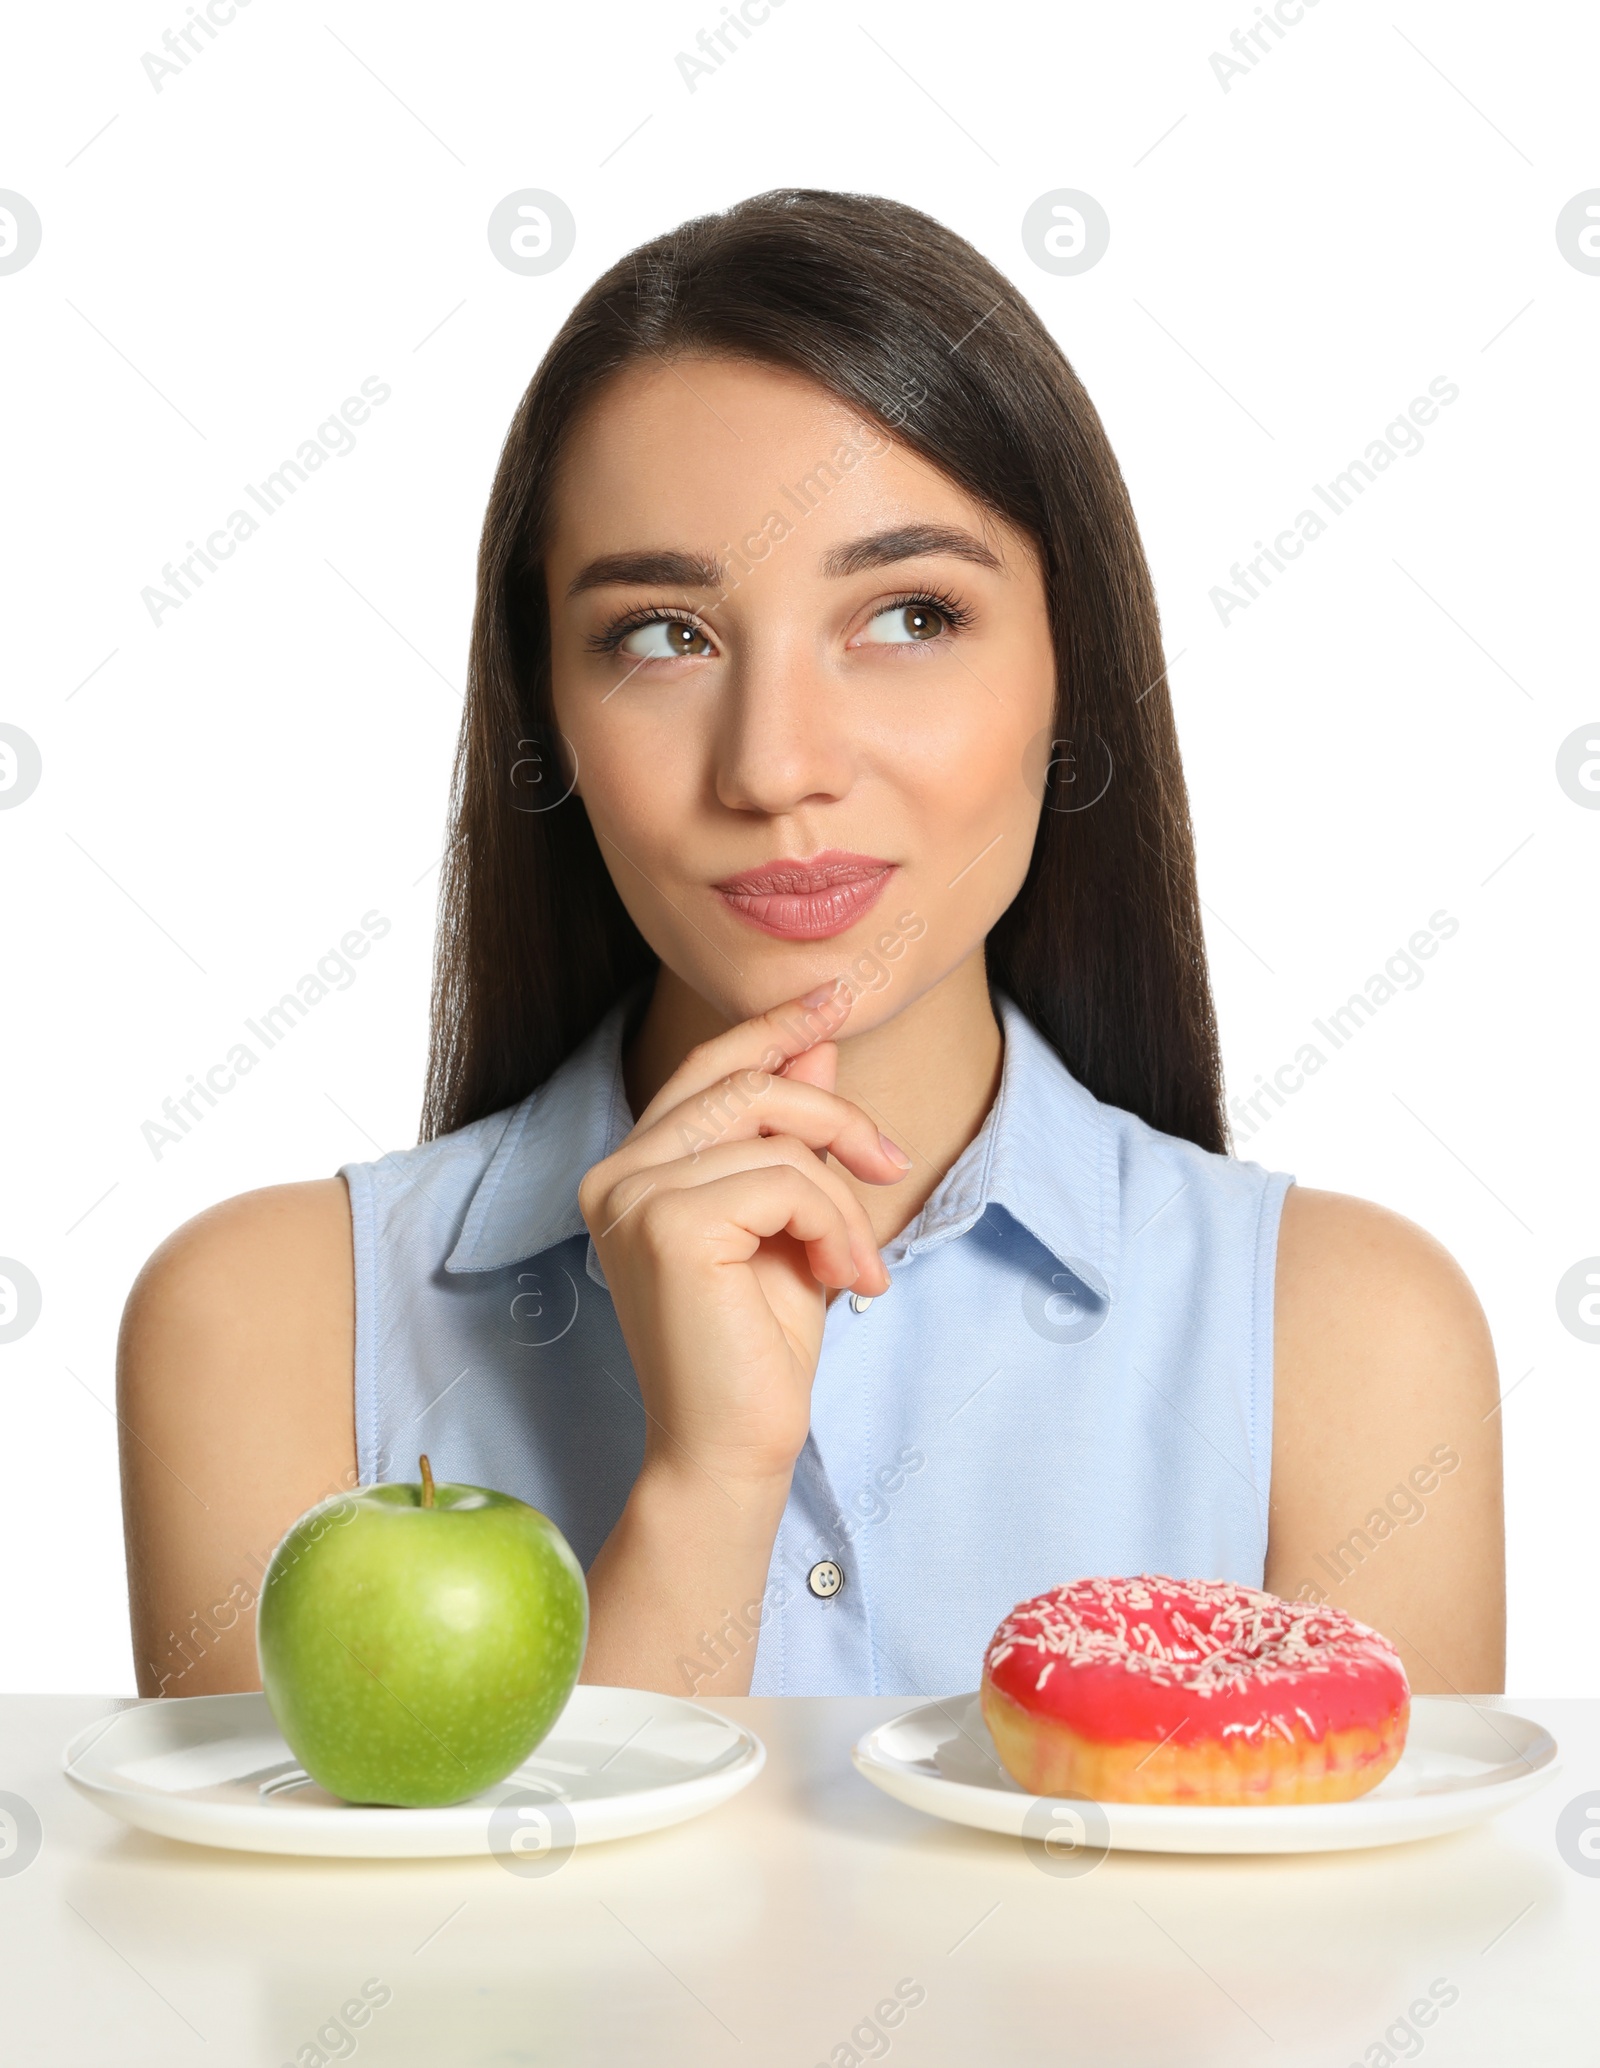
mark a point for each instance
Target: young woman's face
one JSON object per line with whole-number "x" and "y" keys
{"x": 808, "y": 681}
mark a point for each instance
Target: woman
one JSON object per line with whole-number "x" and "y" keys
{"x": 820, "y": 920}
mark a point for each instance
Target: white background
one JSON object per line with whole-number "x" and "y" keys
{"x": 1291, "y": 261}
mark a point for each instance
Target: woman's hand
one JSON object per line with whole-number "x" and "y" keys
{"x": 720, "y": 1225}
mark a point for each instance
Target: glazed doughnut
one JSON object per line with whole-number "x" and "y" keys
{"x": 1191, "y": 1691}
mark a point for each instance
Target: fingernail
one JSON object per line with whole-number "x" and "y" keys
{"x": 822, "y": 993}
{"x": 894, "y": 1153}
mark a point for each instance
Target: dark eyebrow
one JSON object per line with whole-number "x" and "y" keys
{"x": 648, "y": 570}
{"x": 666, "y": 568}
{"x": 908, "y": 542}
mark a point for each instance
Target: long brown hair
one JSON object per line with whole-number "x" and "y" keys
{"x": 891, "y": 312}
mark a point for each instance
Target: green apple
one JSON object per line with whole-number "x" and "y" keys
{"x": 417, "y": 1642}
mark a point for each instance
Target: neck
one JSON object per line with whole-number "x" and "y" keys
{"x": 927, "y": 1076}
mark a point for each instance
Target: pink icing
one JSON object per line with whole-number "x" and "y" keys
{"x": 1151, "y": 1658}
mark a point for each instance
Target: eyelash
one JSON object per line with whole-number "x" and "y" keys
{"x": 612, "y": 636}
{"x": 956, "y": 615}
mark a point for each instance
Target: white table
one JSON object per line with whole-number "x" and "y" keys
{"x": 769, "y": 1930}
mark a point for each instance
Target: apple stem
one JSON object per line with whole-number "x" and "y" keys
{"x": 427, "y": 1480}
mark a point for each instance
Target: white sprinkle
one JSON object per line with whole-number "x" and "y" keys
{"x": 1206, "y": 1636}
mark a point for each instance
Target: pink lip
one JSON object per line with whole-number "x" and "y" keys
{"x": 809, "y": 900}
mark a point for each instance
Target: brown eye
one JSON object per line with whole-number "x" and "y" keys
{"x": 665, "y": 639}
{"x": 905, "y": 623}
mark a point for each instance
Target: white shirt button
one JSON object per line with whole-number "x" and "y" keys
{"x": 825, "y": 1579}
{"x": 860, "y": 1302}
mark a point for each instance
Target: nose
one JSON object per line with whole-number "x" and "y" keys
{"x": 784, "y": 738}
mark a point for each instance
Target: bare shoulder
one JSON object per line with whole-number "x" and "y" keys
{"x": 235, "y": 1382}
{"x": 1386, "y": 1495}
{"x": 1351, "y": 1275}
{"x": 241, "y": 1245}
{"x": 251, "y": 1303}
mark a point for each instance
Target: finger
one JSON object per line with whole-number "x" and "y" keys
{"x": 730, "y": 1159}
{"x": 766, "y": 1042}
{"x": 749, "y": 1207}
{"x": 818, "y": 1066}
{"x": 750, "y": 1104}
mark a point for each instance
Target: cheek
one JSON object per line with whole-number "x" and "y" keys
{"x": 639, "y": 778}
{"x": 966, "y": 779}
{"x": 642, "y": 786}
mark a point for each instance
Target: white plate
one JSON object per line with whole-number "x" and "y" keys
{"x": 213, "y": 1769}
{"x": 1461, "y": 1763}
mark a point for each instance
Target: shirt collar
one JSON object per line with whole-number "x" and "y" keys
{"x": 527, "y": 1200}
{"x": 1046, "y": 1153}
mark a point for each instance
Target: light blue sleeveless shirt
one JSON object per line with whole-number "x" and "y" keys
{"x": 1071, "y": 1374}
